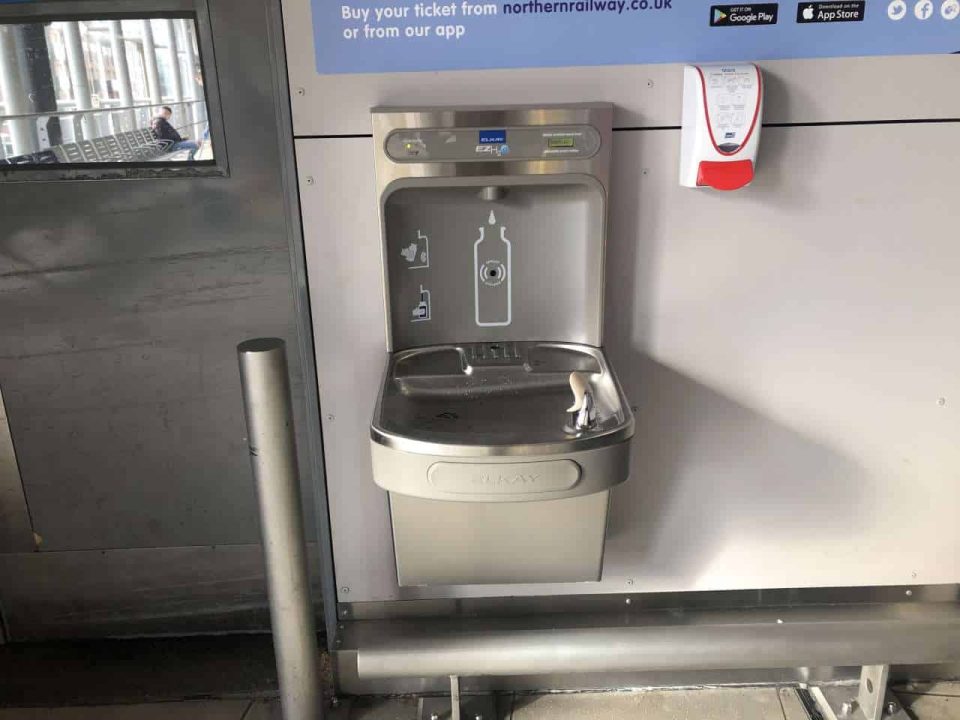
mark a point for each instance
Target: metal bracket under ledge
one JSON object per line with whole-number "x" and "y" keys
{"x": 870, "y": 700}
{"x": 456, "y": 707}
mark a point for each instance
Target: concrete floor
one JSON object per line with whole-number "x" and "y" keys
{"x": 937, "y": 701}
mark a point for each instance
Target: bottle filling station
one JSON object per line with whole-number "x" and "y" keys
{"x": 501, "y": 426}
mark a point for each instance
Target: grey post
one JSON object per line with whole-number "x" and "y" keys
{"x": 173, "y": 53}
{"x": 118, "y": 47}
{"x": 273, "y": 455}
{"x": 79, "y": 78}
{"x": 22, "y": 134}
{"x": 150, "y": 62}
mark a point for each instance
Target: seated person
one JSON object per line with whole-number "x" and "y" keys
{"x": 163, "y": 130}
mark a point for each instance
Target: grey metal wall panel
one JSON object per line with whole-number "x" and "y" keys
{"x": 788, "y": 348}
{"x": 16, "y": 534}
{"x": 342, "y": 244}
{"x": 645, "y": 95}
{"x": 163, "y": 591}
{"x": 123, "y": 303}
{"x": 143, "y": 410}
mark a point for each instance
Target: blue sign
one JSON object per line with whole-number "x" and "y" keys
{"x": 492, "y": 137}
{"x": 374, "y": 36}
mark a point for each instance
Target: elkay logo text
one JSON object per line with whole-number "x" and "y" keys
{"x": 743, "y": 15}
{"x": 826, "y": 12}
{"x": 503, "y": 481}
{"x": 500, "y": 480}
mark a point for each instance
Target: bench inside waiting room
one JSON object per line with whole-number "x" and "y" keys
{"x": 131, "y": 146}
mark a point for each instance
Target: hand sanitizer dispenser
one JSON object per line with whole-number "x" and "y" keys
{"x": 722, "y": 109}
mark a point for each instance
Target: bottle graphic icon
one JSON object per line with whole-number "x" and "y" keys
{"x": 422, "y": 312}
{"x": 492, "y": 281}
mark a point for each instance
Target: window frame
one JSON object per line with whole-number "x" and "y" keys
{"x": 86, "y": 10}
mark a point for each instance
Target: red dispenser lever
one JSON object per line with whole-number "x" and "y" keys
{"x": 726, "y": 175}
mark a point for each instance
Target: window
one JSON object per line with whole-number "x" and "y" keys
{"x": 104, "y": 91}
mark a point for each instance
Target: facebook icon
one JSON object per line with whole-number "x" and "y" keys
{"x": 923, "y": 9}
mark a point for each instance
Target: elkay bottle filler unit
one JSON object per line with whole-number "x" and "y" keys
{"x": 500, "y": 427}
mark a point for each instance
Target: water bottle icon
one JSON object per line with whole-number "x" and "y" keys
{"x": 492, "y": 281}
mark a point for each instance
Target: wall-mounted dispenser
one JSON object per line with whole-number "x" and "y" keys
{"x": 500, "y": 426}
{"x": 722, "y": 114}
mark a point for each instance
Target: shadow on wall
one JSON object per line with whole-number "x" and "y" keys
{"x": 709, "y": 472}
{"x": 709, "y": 475}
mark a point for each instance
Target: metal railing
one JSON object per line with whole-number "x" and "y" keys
{"x": 79, "y": 125}
{"x": 119, "y": 108}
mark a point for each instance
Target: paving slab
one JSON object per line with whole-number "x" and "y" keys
{"x": 192, "y": 710}
{"x": 698, "y": 704}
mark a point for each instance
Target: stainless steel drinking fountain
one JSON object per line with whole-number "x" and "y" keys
{"x": 500, "y": 427}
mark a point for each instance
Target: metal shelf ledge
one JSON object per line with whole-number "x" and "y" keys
{"x": 658, "y": 641}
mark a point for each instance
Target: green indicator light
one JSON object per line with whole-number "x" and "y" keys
{"x": 560, "y": 142}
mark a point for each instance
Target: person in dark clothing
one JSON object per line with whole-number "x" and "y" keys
{"x": 163, "y": 130}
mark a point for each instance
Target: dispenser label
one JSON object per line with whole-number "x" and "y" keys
{"x": 733, "y": 100}
{"x": 373, "y": 36}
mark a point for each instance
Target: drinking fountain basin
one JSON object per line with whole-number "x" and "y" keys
{"x": 508, "y": 452}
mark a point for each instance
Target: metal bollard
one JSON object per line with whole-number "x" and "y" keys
{"x": 273, "y": 455}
